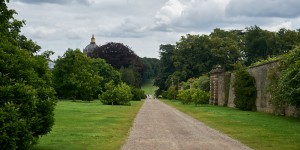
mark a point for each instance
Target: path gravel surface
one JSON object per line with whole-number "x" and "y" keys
{"x": 161, "y": 127}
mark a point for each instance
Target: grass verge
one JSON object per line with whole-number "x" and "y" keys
{"x": 257, "y": 130}
{"x": 148, "y": 87}
{"x": 83, "y": 125}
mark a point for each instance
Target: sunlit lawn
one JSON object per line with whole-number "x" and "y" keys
{"x": 83, "y": 125}
{"x": 257, "y": 130}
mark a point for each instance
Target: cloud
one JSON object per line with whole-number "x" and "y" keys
{"x": 170, "y": 11}
{"x": 190, "y": 15}
{"x": 264, "y": 8}
{"x": 55, "y": 1}
{"x": 128, "y": 28}
{"x": 144, "y": 24}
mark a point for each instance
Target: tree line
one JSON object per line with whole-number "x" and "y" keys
{"x": 195, "y": 55}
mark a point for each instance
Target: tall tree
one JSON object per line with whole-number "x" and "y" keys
{"x": 256, "y": 44}
{"x": 166, "y": 67}
{"x": 192, "y": 56}
{"x": 120, "y": 55}
{"x": 26, "y": 95}
{"x": 226, "y": 48}
{"x": 151, "y": 67}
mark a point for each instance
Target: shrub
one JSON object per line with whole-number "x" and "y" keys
{"x": 137, "y": 94}
{"x": 116, "y": 94}
{"x": 202, "y": 83}
{"x": 185, "y": 96}
{"x": 244, "y": 89}
{"x": 172, "y": 92}
{"x": 200, "y": 97}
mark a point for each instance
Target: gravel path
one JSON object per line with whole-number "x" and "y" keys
{"x": 161, "y": 127}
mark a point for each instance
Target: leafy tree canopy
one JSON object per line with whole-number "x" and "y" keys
{"x": 26, "y": 95}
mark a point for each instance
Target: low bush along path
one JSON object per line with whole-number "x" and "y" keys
{"x": 160, "y": 127}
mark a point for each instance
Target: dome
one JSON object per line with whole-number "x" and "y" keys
{"x": 91, "y": 47}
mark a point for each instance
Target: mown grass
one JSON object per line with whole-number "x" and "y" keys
{"x": 257, "y": 130}
{"x": 83, "y": 125}
{"x": 148, "y": 87}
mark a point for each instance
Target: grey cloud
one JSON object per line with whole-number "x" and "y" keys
{"x": 54, "y": 1}
{"x": 197, "y": 16}
{"x": 264, "y": 8}
{"x": 128, "y": 28}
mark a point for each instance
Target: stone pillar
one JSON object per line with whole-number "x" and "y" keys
{"x": 214, "y": 84}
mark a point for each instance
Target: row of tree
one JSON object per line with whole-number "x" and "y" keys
{"x": 195, "y": 55}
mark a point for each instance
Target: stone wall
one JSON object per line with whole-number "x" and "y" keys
{"x": 260, "y": 73}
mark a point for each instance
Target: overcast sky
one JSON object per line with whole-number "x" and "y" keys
{"x": 144, "y": 24}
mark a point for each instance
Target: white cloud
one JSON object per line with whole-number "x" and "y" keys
{"x": 169, "y": 12}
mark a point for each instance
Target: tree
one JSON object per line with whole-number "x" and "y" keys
{"x": 192, "y": 56}
{"x": 244, "y": 89}
{"x": 165, "y": 68}
{"x": 75, "y": 76}
{"x": 120, "y": 55}
{"x": 116, "y": 94}
{"x": 151, "y": 67}
{"x": 226, "y": 48}
{"x": 107, "y": 72}
{"x": 27, "y": 98}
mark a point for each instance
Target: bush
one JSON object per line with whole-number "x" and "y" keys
{"x": 172, "y": 92}
{"x": 137, "y": 94}
{"x": 202, "y": 83}
{"x": 244, "y": 89}
{"x": 185, "y": 96}
{"x": 200, "y": 97}
{"x": 116, "y": 94}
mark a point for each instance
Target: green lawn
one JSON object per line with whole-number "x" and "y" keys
{"x": 257, "y": 130}
{"x": 149, "y": 88}
{"x": 83, "y": 125}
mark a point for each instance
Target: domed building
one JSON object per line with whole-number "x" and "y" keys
{"x": 91, "y": 47}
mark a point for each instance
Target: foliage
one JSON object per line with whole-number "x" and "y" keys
{"x": 151, "y": 68}
{"x": 200, "y": 97}
{"x": 116, "y": 94}
{"x": 226, "y": 47}
{"x": 265, "y": 61}
{"x": 121, "y": 56}
{"x": 137, "y": 94}
{"x": 290, "y": 78}
{"x": 244, "y": 89}
{"x": 165, "y": 69}
{"x": 26, "y": 95}
{"x": 195, "y": 55}
{"x": 185, "y": 96}
{"x": 195, "y": 96}
{"x": 202, "y": 83}
{"x": 131, "y": 76}
{"x": 192, "y": 56}
{"x": 106, "y": 71}
{"x": 171, "y": 93}
{"x": 75, "y": 76}
{"x": 277, "y": 100}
